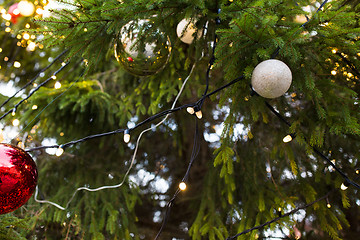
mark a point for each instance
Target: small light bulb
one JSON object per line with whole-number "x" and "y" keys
{"x": 53, "y": 77}
{"x": 34, "y": 107}
{"x": 59, "y": 151}
{"x": 190, "y": 110}
{"x": 344, "y": 187}
{"x": 127, "y": 136}
{"x": 16, "y": 122}
{"x": 333, "y": 72}
{"x": 17, "y": 64}
{"x": 333, "y": 51}
{"x": 328, "y": 205}
{"x": 57, "y": 85}
{"x": 279, "y": 209}
{"x": 357, "y": 171}
{"x": 13, "y": 112}
{"x": 199, "y": 114}
{"x": 182, "y": 186}
{"x": 63, "y": 64}
{"x": 287, "y": 139}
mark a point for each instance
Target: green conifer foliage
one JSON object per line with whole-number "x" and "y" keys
{"x": 241, "y": 179}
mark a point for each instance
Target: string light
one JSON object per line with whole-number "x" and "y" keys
{"x": 59, "y": 151}
{"x": 57, "y": 85}
{"x": 344, "y": 186}
{"x": 17, "y": 64}
{"x": 127, "y": 136}
{"x": 182, "y": 186}
{"x": 34, "y": 107}
{"x": 190, "y": 110}
{"x": 15, "y": 122}
{"x": 288, "y": 138}
{"x": 199, "y": 114}
{"x": 13, "y": 112}
{"x": 199, "y": 118}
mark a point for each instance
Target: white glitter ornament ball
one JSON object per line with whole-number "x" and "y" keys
{"x": 271, "y": 78}
{"x": 186, "y": 29}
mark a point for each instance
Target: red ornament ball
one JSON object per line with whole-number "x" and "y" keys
{"x": 18, "y": 177}
{"x": 130, "y": 59}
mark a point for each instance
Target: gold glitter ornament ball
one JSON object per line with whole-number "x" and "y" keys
{"x": 141, "y": 48}
{"x": 271, "y": 78}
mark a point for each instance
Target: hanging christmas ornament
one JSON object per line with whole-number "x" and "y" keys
{"x": 187, "y": 31}
{"x": 26, "y": 8}
{"x": 14, "y": 12}
{"x": 271, "y": 78}
{"x": 141, "y": 48}
{"x": 18, "y": 177}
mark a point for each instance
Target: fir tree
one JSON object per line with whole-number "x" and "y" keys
{"x": 241, "y": 179}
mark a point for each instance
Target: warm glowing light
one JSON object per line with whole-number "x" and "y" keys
{"x": 6, "y": 17}
{"x": 16, "y": 122}
{"x": 199, "y": 114}
{"x": 31, "y": 47}
{"x": 357, "y": 171}
{"x": 26, "y": 36}
{"x": 59, "y": 151}
{"x": 39, "y": 11}
{"x": 0, "y": 49}
{"x": 34, "y": 107}
{"x": 328, "y": 205}
{"x": 17, "y": 64}
{"x": 190, "y": 110}
{"x": 27, "y": 25}
{"x": 35, "y": 85}
{"x": 63, "y": 64}
{"x": 8, "y": 29}
{"x": 6, "y": 59}
{"x": 126, "y": 137}
{"x": 344, "y": 187}
{"x": 57, "y": 85}
{"x": 13, "y": 113}
{"x": 333, "y": 72}
{"x": 26, "y": 8}
{"x": 61, "y": 134}
{"x": 53, "y": 77}
{"x": 333, "y": 51}
{"x": 287, "y": 139}
{"x": 85, "y": 29}
{"x": 182, "y": 186}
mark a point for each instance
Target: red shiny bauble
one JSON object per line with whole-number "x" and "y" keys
{"x": 18, "y": 177}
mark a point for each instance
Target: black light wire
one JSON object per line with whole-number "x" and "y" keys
{"x": 194, "y": 154}
{"x": 170, "y": 203}
{"x": 32, "y": 92}
{"x": 280, "y": 217}
{"x": 34, "y": 78}
{"x": 346, "y": 178}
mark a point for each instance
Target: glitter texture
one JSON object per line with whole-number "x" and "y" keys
{"x": 18, "y": 177}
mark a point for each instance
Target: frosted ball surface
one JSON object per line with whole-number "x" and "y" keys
{"x": 185, "y": 31}
{"x": 271, "y": 78}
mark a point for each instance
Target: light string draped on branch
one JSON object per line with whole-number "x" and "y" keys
{"x": 194, "y": 153}
{"x": 346, "y": 178}
{"x": 107, "y": 134}
{"x": 34, "y": 90}
{"x": 34, "y": 78}
{"x": 280, "y": 217}
{"x": 167, "y": 112}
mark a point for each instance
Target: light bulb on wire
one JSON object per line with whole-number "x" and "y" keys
{"x": 344, "y": 186}
{"x": 182, "y": 186}
{"x": 289, "y": 138}
{"x": 127, "y": 136}
{"x": 59, "y": 151}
